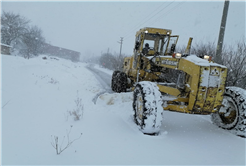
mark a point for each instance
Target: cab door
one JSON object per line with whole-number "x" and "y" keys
{"x": 171, "y": 44}
{"x": 137, "y": 50}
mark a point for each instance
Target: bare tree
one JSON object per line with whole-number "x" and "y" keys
{"x": 112, "y": 62}
{"x": 32, "y": 42}
{"x": 15, "y": 31}
{"x": 13, "y": 27}
{"x": 201, "y": 49}
{"x": 118, "y": 60}
{"x": 235, "y": 60}
{"x": 107, "y": 60}
{"x": 180, "y": 49}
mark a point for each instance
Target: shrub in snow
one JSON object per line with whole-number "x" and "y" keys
{"x": 59, "y": 147}
{"x": 53, "y": 81}
{"x": 78, "y": 111}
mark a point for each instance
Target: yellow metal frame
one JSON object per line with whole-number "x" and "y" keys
{"x": 154, "y": 30}
{"x": 199, "y": 97}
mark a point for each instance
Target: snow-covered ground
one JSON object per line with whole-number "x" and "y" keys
{"x": 38, "y": 94}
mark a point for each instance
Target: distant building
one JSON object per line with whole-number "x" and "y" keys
{"x": 5, "y": 49}
{"x": 61, "y": 52}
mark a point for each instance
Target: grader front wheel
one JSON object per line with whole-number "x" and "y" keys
{"x": 232, "y": 114}
{"x": 147, "y": 106}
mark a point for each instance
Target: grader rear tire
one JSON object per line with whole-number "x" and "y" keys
{"x": 114, "y": 81}
{"x": 119, "y": 82}
{"x": 232, "y": 115}
{"x": 147, "y": 106}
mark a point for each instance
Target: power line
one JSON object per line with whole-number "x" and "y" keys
{"x": 157, "y": 13}
{"x": 148, "y": 15}
{"x": 126, "y": 36}
{"x": 167, "y": 12}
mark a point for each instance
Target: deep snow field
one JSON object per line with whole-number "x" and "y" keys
{"x": 38, "y": 94}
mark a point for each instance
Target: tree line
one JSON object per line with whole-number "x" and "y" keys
{"x": 24, "y": 38}
{"x": 112, "y": 61}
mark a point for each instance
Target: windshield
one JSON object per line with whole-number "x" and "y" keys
{"x": 156, "y": 42}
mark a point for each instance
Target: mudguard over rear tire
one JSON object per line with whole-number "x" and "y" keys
{"x": 147, "y": 106}
{"x": 232, "y": 115}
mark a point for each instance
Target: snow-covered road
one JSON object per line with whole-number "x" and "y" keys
{"x": 37, "y": 95}
{"x": 102, "y": 77}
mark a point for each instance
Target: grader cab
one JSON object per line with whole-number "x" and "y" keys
{"x": 164, "y": 80}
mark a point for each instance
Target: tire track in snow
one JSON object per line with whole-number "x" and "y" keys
{"x": 103, "y": 78}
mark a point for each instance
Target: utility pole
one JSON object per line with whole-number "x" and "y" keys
{"x": 118, "y": 61}
{"x": 218, "y": 57}
{"x": 121, "y": 42}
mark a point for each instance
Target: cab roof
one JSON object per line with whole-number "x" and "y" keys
{"x": 154, "y": 31}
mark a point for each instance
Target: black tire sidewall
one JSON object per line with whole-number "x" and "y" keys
{"x": 138, "y": 89}
{"x": 234, "y": 93}
{"x": 114, "y": 80}
{"x": 120, "y": 81}
{"x": 152, "y": 109}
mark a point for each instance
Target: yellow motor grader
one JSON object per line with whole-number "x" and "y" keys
{"x": 164, "y": 80}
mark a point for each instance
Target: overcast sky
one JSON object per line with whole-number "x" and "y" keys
{"x": 93, "y": 27}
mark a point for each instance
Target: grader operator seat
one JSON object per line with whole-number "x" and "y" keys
{"x": 146, "y": 49}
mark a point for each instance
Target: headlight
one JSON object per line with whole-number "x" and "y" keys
{"x": 206, "y": 57}
{"x": 146, "y": 31}
{"x": 177, "y": 55}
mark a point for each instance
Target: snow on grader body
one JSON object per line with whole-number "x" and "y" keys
{"x": 164, "y": 80}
